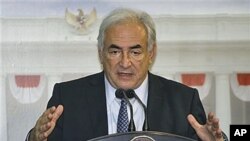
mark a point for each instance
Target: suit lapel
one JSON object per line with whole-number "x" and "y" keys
{"x": 97, "y": 104}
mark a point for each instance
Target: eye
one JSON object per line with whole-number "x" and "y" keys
{"x": 114, "y": 51}
{"x": 136, "y": 52}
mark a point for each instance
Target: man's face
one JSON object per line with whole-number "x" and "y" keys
{"x": 125, "y": 56}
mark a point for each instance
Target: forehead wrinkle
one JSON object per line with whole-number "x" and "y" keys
{"x": 130, "y": 47}
{"x": 125, "y": 38}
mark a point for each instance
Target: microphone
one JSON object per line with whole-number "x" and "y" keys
{"x": 120, "y": 93}
{"x": 145, "y": 124}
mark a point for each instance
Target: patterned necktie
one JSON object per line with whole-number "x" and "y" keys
{"x": 122, "y": 122}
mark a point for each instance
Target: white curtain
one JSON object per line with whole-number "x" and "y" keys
{"x": 240, "y": 98}
{"x": 26, "y": 98}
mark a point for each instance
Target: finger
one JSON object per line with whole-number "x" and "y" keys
{"x": 45, "y": 127}
{"x": 210, "y": 116}
{"x": 218, "y": 133}
{"x": 47, "y": 115}
{"x": 209, "y": 122}
{"x": 50, "y": 110}
{"x": 42, "y": 123}
{"x": 194, "y": 123}
{"x": 216, "y": 130}
{"x": 46, "y": 123}
{"x": 214, "y": 121}
{"x": 51, "y": 125}
{"x": 52, "y": 118}
{"x": 215, "y": 124}
{"x": 43, "y": 136}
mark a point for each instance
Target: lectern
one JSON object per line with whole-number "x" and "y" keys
{"x": 142, "y": 136}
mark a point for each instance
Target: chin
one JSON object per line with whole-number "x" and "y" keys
{"x": 126, "y": 87}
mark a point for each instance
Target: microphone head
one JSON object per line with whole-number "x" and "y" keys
{"x": 119, "y": 93}
{"x": 130, "y": 93}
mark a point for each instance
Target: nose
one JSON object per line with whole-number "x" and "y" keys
{"x": 125, "y": 61}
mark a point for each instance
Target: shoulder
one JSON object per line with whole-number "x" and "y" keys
{"x": 166, "y": 82}
{"x": 93, "y": 78}
{"x": 78, "y": 87}
{"x": 84, "y": 81}
{"x": 170, "y": 86}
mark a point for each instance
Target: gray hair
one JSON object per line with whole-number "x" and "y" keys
{"x": 122, "y": 15}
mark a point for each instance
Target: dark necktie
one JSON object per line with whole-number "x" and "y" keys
{"x": 122, "y": 122}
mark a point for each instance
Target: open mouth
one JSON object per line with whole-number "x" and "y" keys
{"x": 125, "y": 74}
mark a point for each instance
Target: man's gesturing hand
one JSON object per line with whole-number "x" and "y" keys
{"x": 45, "y": 124}
{"x": 210, "y": 131}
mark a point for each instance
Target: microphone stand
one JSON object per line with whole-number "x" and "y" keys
{"x": 120, "y": 93}
{"x": 145, "y": 124}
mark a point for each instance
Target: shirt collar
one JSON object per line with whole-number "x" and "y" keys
{"x": 141, "y": 91}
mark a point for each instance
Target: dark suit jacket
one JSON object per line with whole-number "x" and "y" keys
{"x": 85, "y": 112}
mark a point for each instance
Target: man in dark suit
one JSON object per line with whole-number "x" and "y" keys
{"x": 86, "y": 108}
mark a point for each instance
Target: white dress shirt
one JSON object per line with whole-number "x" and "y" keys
{"x": 113, "y": 106}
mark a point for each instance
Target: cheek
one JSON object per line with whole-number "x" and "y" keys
{"x": 143, "y": 66}
{"x": 109, "y": 64}
{"x": 143, "y": 62}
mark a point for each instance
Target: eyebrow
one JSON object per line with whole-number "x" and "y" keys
{"x": 132, "y": 47}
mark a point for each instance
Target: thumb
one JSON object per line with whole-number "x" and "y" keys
{"x": 193, "y": 122}
{"x": 58, "y": 112}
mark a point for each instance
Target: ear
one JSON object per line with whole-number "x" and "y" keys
{"x": 100, "y": 53}
{"x": 152, "y": 53}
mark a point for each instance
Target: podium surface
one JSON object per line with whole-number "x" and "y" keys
{"x": 142, "y": 136}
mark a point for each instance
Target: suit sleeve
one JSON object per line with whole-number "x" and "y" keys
{"x": 198, "y": 112}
